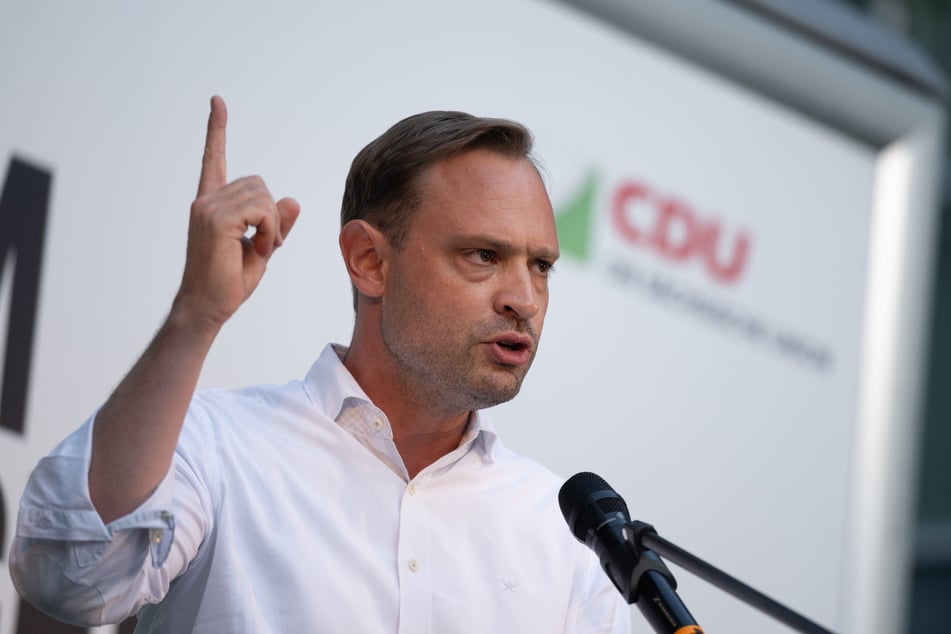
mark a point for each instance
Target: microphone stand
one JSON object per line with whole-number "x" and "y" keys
{"x": 643, "y": 536}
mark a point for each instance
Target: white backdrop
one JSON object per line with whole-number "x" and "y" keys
{"x": 724, "y": 412}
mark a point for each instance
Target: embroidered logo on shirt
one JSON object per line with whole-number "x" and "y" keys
{"x": 509, "y": 586}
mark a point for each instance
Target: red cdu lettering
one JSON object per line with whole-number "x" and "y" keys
{"x": 630, "y": 198}
{"x": 730, "y": 270}
{"x": 676, "y": 232}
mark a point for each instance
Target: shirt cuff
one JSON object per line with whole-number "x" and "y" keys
{"x": 56, "y": 504}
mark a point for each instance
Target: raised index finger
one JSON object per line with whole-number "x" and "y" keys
{"x": 213, "y": 167}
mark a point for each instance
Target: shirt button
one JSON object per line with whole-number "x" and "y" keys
{"x": 413, "y": 566}
{"x": 378, "y": 423}
{"x": 156, "y": 536}
{"x": 412, "y": 489}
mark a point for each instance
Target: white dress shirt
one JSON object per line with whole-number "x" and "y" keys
{"x": 288, "y": 509}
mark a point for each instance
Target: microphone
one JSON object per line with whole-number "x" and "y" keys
{"x": 598, "y": 517}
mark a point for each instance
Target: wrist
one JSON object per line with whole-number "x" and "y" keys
{"x": 193, "y": 326}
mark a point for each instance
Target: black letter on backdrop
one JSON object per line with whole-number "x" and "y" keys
{"x": 23, "y": 211}
{"x": 23, "y": 206}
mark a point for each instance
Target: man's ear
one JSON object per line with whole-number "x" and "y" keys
{"x": 364, "y": 251}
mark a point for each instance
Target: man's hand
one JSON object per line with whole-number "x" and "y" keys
{"x": 136, "y": 430}
{"x": 223, "y": 266}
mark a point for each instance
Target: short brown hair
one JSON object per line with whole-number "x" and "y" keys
{"x": 382, "y": 186}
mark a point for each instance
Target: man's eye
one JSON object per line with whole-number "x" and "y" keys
{"x": 484, "y": 256}
{"x": 544, "y": 267}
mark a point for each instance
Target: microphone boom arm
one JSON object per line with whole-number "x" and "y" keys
{"x": 643, "y": 536}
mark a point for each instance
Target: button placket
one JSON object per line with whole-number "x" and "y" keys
{"x": 413, "y": 553}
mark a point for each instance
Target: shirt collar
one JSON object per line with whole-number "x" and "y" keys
{"x": 487, "y": 439}
{"x": 330, "y": 386}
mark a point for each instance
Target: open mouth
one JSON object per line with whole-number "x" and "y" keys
{"x": 512, "y": 349}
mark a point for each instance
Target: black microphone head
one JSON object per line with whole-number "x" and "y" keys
{"x": 586, "y": 499}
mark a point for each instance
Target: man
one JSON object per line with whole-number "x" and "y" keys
{"x": 372, "y": 496}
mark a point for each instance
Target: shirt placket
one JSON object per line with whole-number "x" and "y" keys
{"x": 413, "y": 559}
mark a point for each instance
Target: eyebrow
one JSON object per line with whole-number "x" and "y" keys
{"x": 504, "y": 246}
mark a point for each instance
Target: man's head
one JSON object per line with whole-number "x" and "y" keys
{"x": 449, "y": 236}
{"x": 383, "y": 184}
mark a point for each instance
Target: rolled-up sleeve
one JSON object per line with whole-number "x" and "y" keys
{"x": 71, "y": 565}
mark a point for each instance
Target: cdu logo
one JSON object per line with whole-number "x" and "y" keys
{"x": 644, "y": 217}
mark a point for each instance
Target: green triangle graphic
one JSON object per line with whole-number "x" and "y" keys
{"x": 573, "y": 219}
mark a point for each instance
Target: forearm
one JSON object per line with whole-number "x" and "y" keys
{"x": 137, "y": 429}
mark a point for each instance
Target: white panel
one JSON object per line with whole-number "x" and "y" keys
{"x": 727, "y": 413}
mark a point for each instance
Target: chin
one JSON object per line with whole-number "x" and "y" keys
{"x": 495, "y": 396}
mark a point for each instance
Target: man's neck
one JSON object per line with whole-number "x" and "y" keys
{"x": 421, "y": 446}
{"x": 422, "y": 433}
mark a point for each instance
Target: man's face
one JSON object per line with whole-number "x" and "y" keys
{"x": 466, "y": 296}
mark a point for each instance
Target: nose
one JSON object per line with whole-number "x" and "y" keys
{"x": 517, "y": 296}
